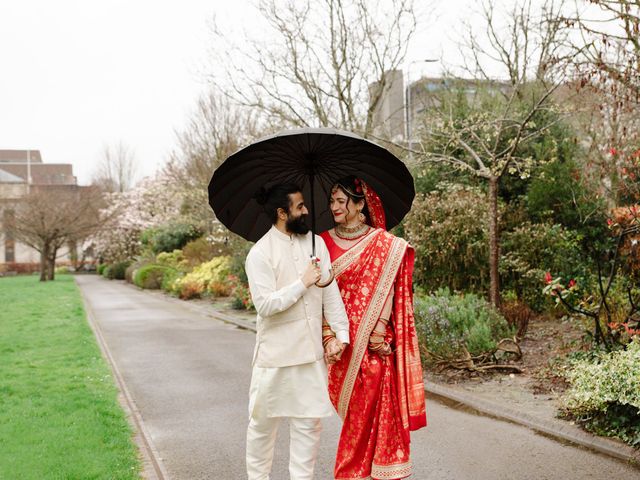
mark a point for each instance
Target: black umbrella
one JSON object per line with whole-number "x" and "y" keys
{"x": 313, "y": 158}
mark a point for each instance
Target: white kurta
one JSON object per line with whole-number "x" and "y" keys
{"x": 298, "y": 391}
{"x": 295, "y": 387}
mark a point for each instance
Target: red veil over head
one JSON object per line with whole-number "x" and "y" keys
{"x": 374, "y": 204}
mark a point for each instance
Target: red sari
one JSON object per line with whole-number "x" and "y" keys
{"x": 380, "y": 399}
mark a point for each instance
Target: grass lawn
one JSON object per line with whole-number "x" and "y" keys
{"x": 59, "y": 416}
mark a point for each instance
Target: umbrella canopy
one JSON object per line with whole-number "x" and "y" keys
{"x": 314, "y": 159}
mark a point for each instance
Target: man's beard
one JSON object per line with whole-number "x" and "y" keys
{"x": 297, "y": 225}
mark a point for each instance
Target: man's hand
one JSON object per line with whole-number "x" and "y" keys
{"x": 311, "y": 275}
{"x": 333, "y": 351}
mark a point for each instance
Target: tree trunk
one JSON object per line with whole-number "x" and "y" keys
{"x": 73, "y": 253}
{"x": 52, "y": 263}
{"x": 44, "y": 260}
{"x": 494, "y": 244}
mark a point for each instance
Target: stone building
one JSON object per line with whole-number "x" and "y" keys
{"x": 22, "y": 171}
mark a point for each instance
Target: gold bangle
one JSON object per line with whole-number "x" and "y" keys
{"x": 326, "y": 340}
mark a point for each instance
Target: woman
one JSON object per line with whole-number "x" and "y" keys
{"x": 376, "y": 386}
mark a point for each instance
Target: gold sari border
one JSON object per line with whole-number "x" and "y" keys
{"x": 383, "y": 472}
{"x": 343, "y": 261}
{"x": 369, "y": 319}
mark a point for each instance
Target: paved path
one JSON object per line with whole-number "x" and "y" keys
{"x": 189, "y": 378}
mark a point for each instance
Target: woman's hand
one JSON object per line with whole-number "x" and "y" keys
{"x": 333, "y": 351}
{"x": 383, "y": 349}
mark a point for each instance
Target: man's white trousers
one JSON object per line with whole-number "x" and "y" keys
{"x": 303, "y": 449}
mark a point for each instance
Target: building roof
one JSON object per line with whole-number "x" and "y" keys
{"x": 6, "y": 177}
{"x": 42, "y": 173}
{"x": 20, "y": 156}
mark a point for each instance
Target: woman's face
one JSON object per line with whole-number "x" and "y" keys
{"x": 343, "y": 210}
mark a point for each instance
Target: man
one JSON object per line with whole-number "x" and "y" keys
{"x": 289, "y": 377}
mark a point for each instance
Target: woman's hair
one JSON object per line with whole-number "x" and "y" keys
{"x": 276, "y": 197}
{"x": 351, "y": 186}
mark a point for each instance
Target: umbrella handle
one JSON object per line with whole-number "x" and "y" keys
{"x": 328, "y": 282}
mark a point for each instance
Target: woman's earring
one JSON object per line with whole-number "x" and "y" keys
{"x": 361, "y": 217}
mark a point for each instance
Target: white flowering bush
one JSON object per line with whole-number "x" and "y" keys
{"x": 605, "y": 394}
{"x": 155, "y": 202}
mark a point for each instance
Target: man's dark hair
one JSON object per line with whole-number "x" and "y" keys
{"x": 276, "y": 197}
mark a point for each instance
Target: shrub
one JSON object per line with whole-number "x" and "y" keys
{"x": 169, "y": 237}
{"x": 219, "y": 289}
{"x": 175, "y": 259}
{"x": 557, "y": 194}
{"x": 131, "y": 270}
{"x": 199, "y": 251}
{"x": 100, "y": 268}
{"x": 170, "y": 281}
{"x": 197, "y": 281}
{"x": 531, "y": 250}
{"x": 517, "y": 314}
{"x": 190, "y": 289}
{"x": 106, "y": 272}
{"x": 240, "y": 294}
{"x": 150, "y": 276}
{"x": 21, "y": 268}
{"x": 62, "y": 270}
{"x": 118, "y": 270}
{"x": 449, "y": 324}
{"x": 604, "y": 395}
{"x": 449, "y": 232}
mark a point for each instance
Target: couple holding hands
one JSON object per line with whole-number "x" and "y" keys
{"x": 347, "y": 343}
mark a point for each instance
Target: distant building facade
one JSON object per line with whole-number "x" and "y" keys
{"x": 403, "y": 108}
{"x": 389, "y": 113}
{"x": 20, "y": 172}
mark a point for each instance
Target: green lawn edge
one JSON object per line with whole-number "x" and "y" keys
{"x": 59, "y": 413}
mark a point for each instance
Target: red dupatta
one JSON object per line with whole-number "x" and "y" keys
{"x": 366, "y": 274}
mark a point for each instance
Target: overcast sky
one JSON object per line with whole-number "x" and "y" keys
{"x": 76, "y": 75}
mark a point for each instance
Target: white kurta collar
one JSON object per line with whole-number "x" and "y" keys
{"x": 278, "y": 234}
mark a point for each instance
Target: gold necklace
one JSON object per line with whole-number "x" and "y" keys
{"x": 351, "y": 233}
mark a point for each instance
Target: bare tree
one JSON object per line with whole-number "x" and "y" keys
{"x": 49, "y": 218}
{"x": 609, "y": 46}
{"x": 488, "y": 139}
{"x": 606, "y": 66}
{"x": 117, "y": 169}
{"x": 328, "y": 62}
{"x": 215, "y": 130}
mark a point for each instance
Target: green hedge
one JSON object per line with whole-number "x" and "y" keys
{"x": 118, "y": 270}
{"x": 106, "y": 271}
{"x": 150, "y": 276}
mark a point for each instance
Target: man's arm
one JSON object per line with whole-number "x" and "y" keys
{"x": 262, "y": 285}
